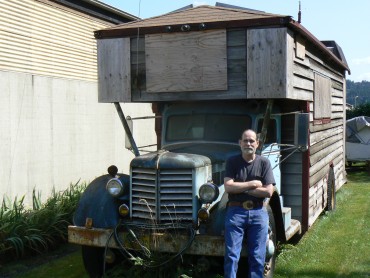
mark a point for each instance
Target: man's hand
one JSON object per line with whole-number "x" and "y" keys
{"x": 254, "y": 184}
{"x": 262, "y": 191}
{"x": 235, "y": 187}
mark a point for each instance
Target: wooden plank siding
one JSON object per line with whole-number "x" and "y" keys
{"x": 326, "y": 138}
{"x": 309, "y": 75}
{"x": 326, "y": 141}
{"x": 301, "y": 75}
{"x": 318, "y": 192}
{"x": 322, "y": 159}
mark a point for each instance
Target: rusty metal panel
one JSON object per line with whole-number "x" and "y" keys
{"x": 202, "y": 244}
{"x": 41, "y": 39}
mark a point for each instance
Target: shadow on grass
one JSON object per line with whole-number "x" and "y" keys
{"x": 320, "y": 274}
{"x": 359, "y": 173}
{"x": 19, "y": 267}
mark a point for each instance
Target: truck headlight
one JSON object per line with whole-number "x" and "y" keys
{"x": 115, "y": 187}
{"x": 203, "y": 214}
{"x": 208, "y": 192}
{"x": 123, "y": 210}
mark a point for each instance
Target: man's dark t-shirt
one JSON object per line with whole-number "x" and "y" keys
{"x": 240, "y": 171}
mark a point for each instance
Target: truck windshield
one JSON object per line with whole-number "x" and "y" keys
{"x": 208, "y": 127}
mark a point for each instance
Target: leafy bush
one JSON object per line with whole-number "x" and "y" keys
{"x": 26, "y": 231}
{"x": 360, "y": 110}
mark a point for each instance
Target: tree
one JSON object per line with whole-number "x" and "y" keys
{"x": 360, "y": 110}
{"x": 358, "y": 92}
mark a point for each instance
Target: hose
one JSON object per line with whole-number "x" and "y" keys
{"x": 145, "y": 250}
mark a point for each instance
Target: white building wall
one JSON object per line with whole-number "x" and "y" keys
{"x": 54, "y": 132}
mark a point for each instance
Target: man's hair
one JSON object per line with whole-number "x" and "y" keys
{"x": 257, "y": 135}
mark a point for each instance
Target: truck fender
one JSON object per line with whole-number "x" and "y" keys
{"x": 216, "y": 223}
{"x": 98, "y": 205}
{"x": 275, "y": 205}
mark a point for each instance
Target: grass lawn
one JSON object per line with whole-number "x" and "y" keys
{"x": 64, "y": 262}
{"x": 338, "y": 244}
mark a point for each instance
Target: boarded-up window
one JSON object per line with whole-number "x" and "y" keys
{"x": 267, "y": 63}
{"x": 114, "y": 70}
{"x": 322, "y": 97}
{"x": 300, "y": 49}
{"x": 179, "y": 62}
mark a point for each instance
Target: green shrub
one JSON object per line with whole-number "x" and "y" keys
{"x": 360, "y": 110}
{"x": 25, "y": 231}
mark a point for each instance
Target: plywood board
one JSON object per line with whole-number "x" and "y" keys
{"x": 322, "y": 97}
{"x": 267, "y": 63}
{"x": 114, "y": 70}
{"x": 300, "y": 49}
{"x": 183, "y": 62}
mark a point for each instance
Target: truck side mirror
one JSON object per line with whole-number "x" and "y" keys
{"x": 301, "y": 128}
{"x": 131, "y": 127}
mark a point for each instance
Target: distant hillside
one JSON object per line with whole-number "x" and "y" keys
{"x": 359, "y": 89}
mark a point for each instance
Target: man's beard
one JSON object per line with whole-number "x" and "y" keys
{"x": 248, "y": 150}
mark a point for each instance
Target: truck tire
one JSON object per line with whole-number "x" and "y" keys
{"x": 270, "y": 263}
{"x": 93, "y": 259}
{"x": 331, "y": 191}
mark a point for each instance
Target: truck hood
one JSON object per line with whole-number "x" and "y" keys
{"x": 216, "y": 152}
{"x": 166, "y": 159}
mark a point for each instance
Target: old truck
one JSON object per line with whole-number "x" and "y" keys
{"x": 210, "y": 73}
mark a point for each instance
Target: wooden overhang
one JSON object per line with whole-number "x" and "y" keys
{"x": 207, "y": 17}
{"x": 199, "y": 18}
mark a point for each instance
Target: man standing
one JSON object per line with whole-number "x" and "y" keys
{"x": 248, "y": 181}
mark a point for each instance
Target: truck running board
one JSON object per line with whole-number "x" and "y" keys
{"x": 294, "y": 228}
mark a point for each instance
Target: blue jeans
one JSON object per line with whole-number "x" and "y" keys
{"x": 252, "y": 224}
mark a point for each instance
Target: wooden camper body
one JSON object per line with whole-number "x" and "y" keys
{"x": 213, "y": 53}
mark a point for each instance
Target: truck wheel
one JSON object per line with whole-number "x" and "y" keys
{"x": 93, "y": 259}
{"x": 270, "y": 262}
{"x": 331, "y": 191}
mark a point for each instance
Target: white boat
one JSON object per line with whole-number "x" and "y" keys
{"x": 358, "y": 139}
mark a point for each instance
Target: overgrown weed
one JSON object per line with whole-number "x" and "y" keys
{"x": 25, "y": 231}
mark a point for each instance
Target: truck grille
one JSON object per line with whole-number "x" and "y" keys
{"x": 163, "y": 195}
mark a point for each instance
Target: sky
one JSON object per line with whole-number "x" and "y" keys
{"x": 345, "y": 21}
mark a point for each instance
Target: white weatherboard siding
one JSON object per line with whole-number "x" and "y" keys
{"x": 45, "y": 39}
{"x": 54, "y": 132}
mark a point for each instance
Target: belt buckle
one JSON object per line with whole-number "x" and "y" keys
{"x": 248, "y": 205}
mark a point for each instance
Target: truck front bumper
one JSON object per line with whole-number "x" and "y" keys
{"x": 202, "y": 244}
